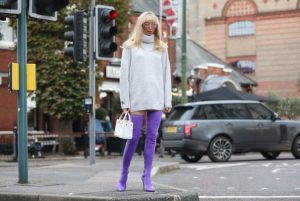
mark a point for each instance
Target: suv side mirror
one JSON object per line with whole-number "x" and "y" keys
{"x": 274, "y": 117}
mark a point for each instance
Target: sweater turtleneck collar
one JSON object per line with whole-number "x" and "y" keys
{"x": 148, "y": 39}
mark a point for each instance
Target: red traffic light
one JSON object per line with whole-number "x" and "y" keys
{"x": 109, "y": 15}
{"x": 113, "y": 14}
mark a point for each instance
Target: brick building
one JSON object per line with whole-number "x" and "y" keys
{"x": 259, "y": 37}
{"x": 8, "y": 101}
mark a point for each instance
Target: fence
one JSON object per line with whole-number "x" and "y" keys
{"x": 66, "y": 143}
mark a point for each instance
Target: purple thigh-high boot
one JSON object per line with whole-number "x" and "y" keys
{"x": 153, "y": 121}
{"x": 129, "y": 150}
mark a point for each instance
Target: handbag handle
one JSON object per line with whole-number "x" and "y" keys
{"x": 125, "y": 114}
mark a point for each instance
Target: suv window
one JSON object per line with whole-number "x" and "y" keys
{"x": 224, "y": 111}
{"x": 182, "y": 113}
{"x": 227, "y": 111}
{"x": 258, "y": 111}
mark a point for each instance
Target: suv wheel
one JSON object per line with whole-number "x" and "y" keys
{"x": 220, "y": 149}
{"x": 296, "y": 148}
{"x": 270, "y": 154}
{"x": 191, "y": 158}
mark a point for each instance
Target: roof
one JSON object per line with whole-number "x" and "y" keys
{"x": 197, "y": 55}
{"x": 216, "y": 102}
{"x": 225, "y": 93}
{"x": 140, "y": 6}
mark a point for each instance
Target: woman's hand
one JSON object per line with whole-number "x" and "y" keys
{"x": 167, "y": 109}
{"x": 126, "y": 110}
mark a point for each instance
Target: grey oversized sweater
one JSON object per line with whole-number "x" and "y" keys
{"x": 145, "y": 81}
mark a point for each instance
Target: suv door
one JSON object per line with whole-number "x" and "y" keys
{"x": 268, "y": 136}
{"x": 244, "y": 129}
{"x": 234, "y": 120}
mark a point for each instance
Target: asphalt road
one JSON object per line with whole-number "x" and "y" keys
{"x": 244, "y": 177}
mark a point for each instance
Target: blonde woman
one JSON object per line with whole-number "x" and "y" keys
{"x": 145, "y": 90}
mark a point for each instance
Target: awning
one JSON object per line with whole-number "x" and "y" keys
{"x": 225, "y": 93}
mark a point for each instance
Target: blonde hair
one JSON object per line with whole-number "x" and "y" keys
{"x": 137, "y": 34}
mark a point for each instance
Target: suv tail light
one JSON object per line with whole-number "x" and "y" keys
{"x": 187, "y": 129}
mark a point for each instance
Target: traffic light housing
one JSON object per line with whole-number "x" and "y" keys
{"x": 77, "y": 48}
{"x": 106, "y": 30}
{"x": 10, "y": 7}
{"x": 46, "y": 9}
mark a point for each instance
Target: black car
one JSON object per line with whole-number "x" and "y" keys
{"x": 222, "y": 128}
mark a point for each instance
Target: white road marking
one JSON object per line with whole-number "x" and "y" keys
{"x": 267, "y": 165}
{"x": 168, "y": 186}
{"x": 277, "y": 178}
{"x": 230, "y": 188}
{"x": 205, "y": 167}
{"x": 297, "y": 188}
{"x": 195, "y": 177}
{"x": 250, "y": 177}
{"x": 297, "y": 164}
{"x": 264, "y": 188}
{"x": 222, "y": 177}
{"x": 249, "y": 197}
{"x": 276, "y": 170}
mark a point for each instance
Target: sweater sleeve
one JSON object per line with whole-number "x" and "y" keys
{"x": 167, "y": 80}
{"x": 124, "y": 78}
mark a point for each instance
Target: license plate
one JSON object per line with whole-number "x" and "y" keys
{"x": 171, "y": 129}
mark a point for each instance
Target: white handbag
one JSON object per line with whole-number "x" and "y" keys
{"x": 124, "y": 126}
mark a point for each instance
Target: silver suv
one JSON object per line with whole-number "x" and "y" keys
{"x": 222, "y": 128}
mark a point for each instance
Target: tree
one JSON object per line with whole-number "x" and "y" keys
{"x": 61, "y": 83}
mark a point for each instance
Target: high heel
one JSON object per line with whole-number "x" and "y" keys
{"x": 121, "y": 186}
{"x": 147, "y": 185}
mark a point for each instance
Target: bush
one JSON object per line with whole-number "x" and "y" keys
{"x": 286, "y": 107}
{"x": 101, "y": 113}
{"x": 67, "y": 146}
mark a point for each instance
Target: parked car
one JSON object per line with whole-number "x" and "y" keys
{"x": 222, "y": 128}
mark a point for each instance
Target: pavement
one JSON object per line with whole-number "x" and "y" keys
{"x": 58, "y": 178}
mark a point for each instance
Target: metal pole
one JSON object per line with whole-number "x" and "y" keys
{"x": 92, "y": 83}
{"x": 183, "y": 56}
{"x": 22, "y": 96}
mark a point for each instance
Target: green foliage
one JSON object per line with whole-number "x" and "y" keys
{"x": 176, "y": 100}
{"x": 286, "y": 107}
{"x": 61, "y": 82}
{"x": 101, "y": 113}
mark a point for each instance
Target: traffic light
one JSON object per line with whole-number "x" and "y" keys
{"x": 10, "y": 7}
{"x": 77, "y": 37}
{"x": 105, "y": 32}
{"x": 46, "y": 9}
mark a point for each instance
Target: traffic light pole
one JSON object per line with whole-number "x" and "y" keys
{"x": 22, "y": 95}
{"x": 92, "y": 82}
{"x": 184, "y": 54}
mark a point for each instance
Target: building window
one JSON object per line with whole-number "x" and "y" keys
{"x": 6, "y": 31}
{"x": 245, "y": 66}
{"x": 242, "y": 28}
